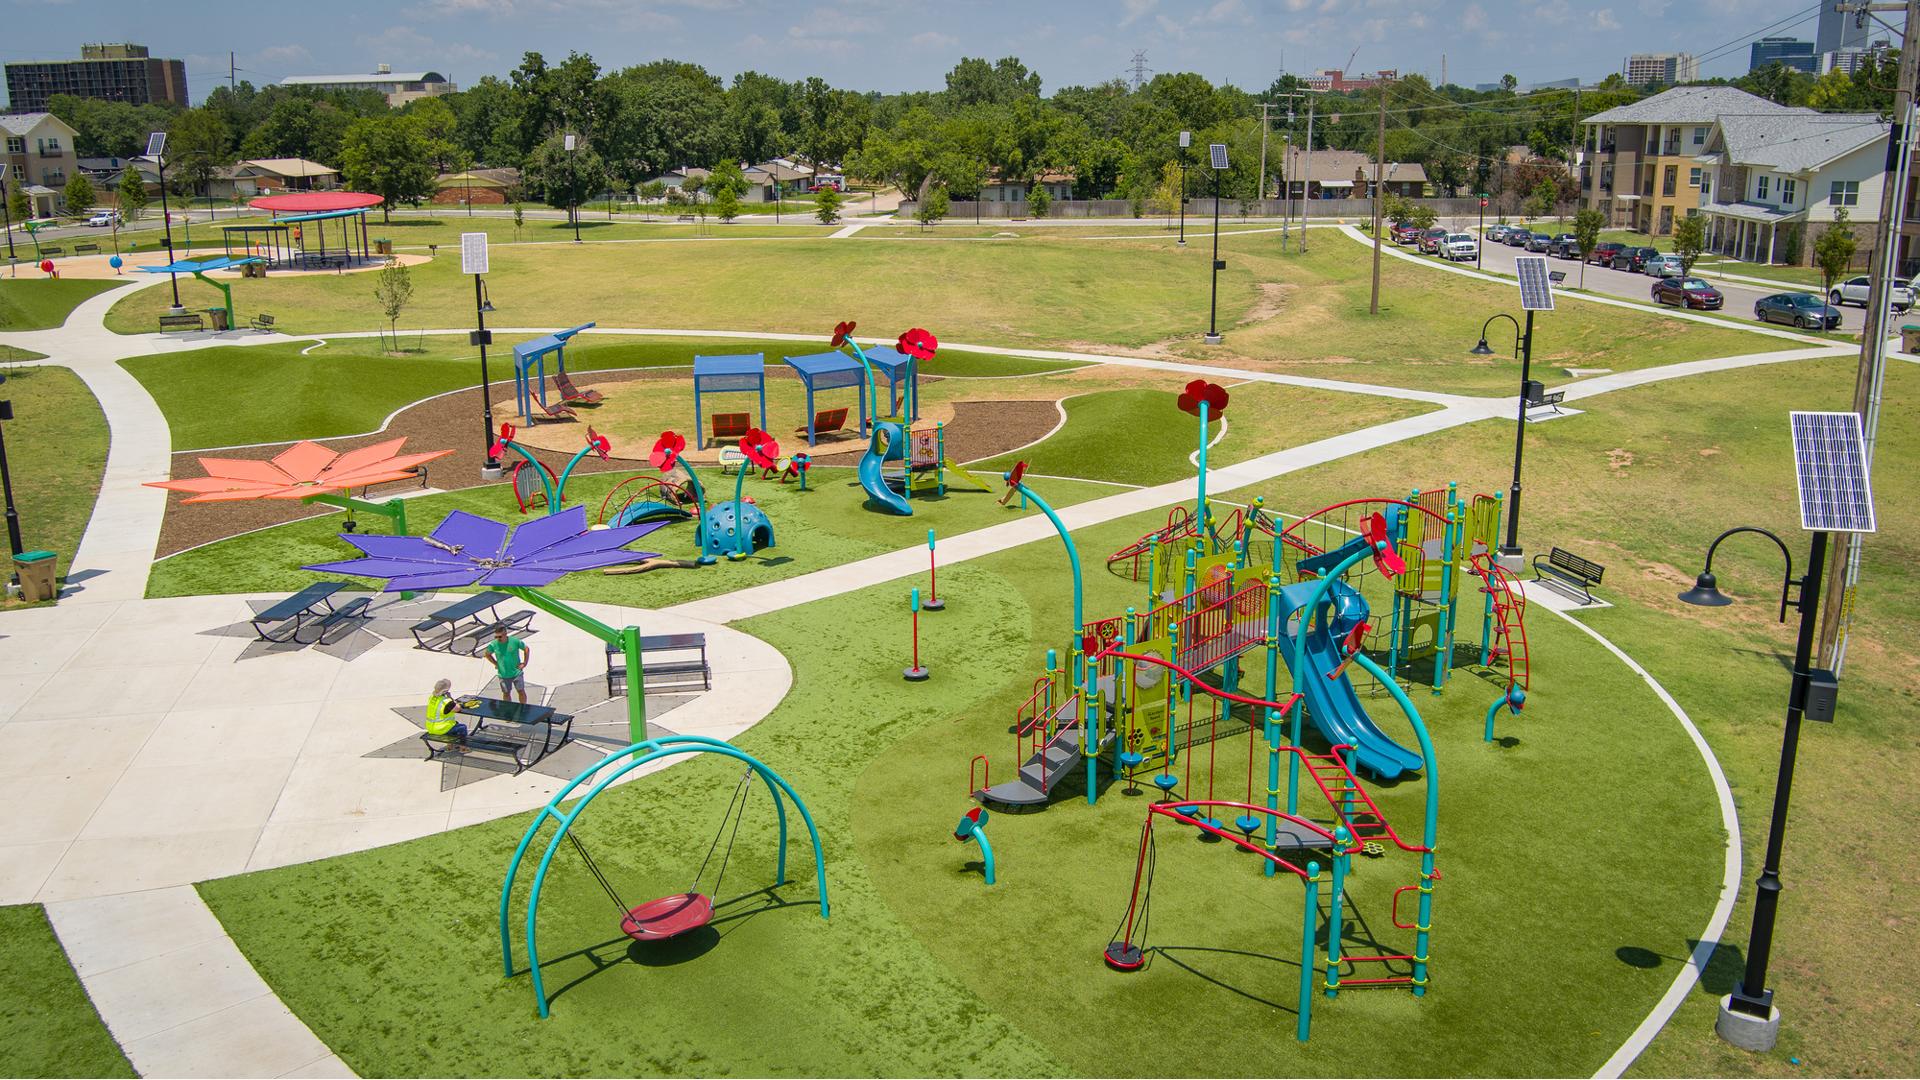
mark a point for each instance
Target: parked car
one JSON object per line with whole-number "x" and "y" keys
{"x": 1854, "y": 291}
{"x": 1797, "y": 309}
{"x": 824, "y": 182}
{"x": 1431, "y": 240}
{"x": 1565, "y": 246}
{"x": 1461, "y": 246}
{"x": 1539, "y": 242}
{"x": 1518, "y": 238}
{"x": 1498, "y": 233}
{"x": 1663, "y": 266}
{"x": 1687, "y": 292}
{"x": 1604, "y": 253}
{"x": 105, "y": 219}
{"x": 1633, "y": 259}
{"x": 1404, "y": 233}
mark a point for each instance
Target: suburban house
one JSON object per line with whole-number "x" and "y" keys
{"x": 1059, "y": 186}
{"x": 761, "y": 179}
{"x": 477, "y": 187}
{"x": 40, "y": 159}
{"x": 1775, "y": 181}
{"x": 1344, "y": 174}
{"x": 675, "y": 179}
{"x": 291, "y": 174}
{"x": 1641, "y": 166}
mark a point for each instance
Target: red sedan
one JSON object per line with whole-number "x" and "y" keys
{"x": 1688, "y": 293}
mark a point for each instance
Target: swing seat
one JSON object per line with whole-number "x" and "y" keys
{"x": 1121, "y": 956}
{"x": 668, "y": 917}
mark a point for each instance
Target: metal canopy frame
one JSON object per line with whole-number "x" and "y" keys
{"x": 739, "y": 373}
{"x": 829, "y": 371}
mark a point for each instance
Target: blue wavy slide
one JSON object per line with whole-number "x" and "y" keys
{"x": 887, "y": 445}
{"x": 1332, "y": 705}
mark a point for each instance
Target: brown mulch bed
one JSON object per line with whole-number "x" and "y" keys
{"x": 980, "y": 429}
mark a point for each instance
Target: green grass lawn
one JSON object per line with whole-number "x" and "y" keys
{"x": 1280, "y": 310}
{"x": 57, "y": 450}
{"x": 48, "y": 1027}
{"x": 231, "y": 395}
{"x": 413, "y": 232}
{"x": 42, "y": 303}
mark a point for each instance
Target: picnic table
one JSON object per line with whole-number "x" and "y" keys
{"x": 512, "y": 732}
{"x": 461, "y": 620}
{"x": 283, "y": 621}
{"x": 684, "y": 668}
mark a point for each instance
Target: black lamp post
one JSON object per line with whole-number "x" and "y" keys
{"x": 1186, "y": 140}
{"x": 1523, "y": 345}
{"x": 573, "y": 185}
{"x": 6, "y": 212}
{"x": 1813, "y": 694}
{"x": 1218, "y": 160}
{"x": 483, "y": 337}
{"x": 6, "y": 487}
{"x": 1480, "y": 241}
{"x": 156, "y": 149}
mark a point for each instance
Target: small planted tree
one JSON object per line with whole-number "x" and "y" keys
{"x": 1586, "y": 234}
{"x": 726, "y": 205}
{"x": 1396, "y": 209}
{"x": 1833, "y": 252}
{"x": 78, "y": 194}
{"x": 1039, "y": 203}
{"x": 827, "y": 206}
{"x": 133, "y": 195}
{"x": 17, "y": 204}
{"x": 394, "y": 290}
{"x": 932, "y": 208}
{"x": 519, "y": 219}
{"x": 1689, "y": 239}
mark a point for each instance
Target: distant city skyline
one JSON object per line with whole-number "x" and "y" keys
{"x": 891, "y": 47}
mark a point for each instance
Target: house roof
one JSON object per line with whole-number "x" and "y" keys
{"x": 487, "y": 178}
{"x": 290, "y": 166}
{"x": 779, "y": 169}
{"x": 1338, "y": 166}
{"x": 1796, "y": 143}
{"x": 22, "y": 123}
{"x": 1689, "y": 105}
{"x": 1760, "y": 212}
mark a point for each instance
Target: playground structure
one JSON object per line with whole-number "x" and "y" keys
{"x": 671, "y": 915}
{"x": 921, "y": 451}
{"x": 530, "y": 378}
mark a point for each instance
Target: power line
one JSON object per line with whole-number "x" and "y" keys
{"x": 1140, "y": 68}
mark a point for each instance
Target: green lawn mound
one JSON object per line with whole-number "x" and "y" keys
{"x": 1594, "y": 831}
{"x": 48, "y": 1027}
{"x": 42, "y": 303}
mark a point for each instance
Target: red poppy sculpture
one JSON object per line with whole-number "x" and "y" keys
{"x": 1199, "y": 392}
{"x": 762, "y": 452}
{"x": 667, "y": 450}
{"x": 300, "y": 471}
{"x": 842, "y": 332}
{"x": 667, "y": 453}
{"x": 918, "y": 344}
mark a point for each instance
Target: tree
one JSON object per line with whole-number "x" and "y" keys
{"x": 519, "y": 219}
{"x": 726, "y": 205}
{"x": 1038, "y": 201}
{"x": 1421, "y": 217}
{"x": 1397, "y": 209}
{"x": 17, "y": 204}
{"x": 1586, "y": 234}
{"x": 1166, "y": 194}
{"x": 198, "y": 147}
{"x": 78, "y": 194}
{"x": 932, "y": 208}
{"x": 827, "y": 207}
{"x": 133, "y": 195}
{"x": 727, "y": 176}
{"x": 1545, "y": 195}
{"x": 561, "y": 177}
{"x": 393, "y": 289}
{"x": 389, "y": 156}
{"x": 1689, "y": 239}
{"x": 1833, "y": 252}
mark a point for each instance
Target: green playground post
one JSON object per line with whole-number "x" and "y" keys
{"x": 1342, "y": 855}
{"x": 1423, "y": 923}
{"x": 1201, "y": 509}
{"x": 873, "y": 388}
{"x": 560, "y": 487}
{"x": 394, "y": 510}
{"x": 1066, "y": 538}
{"x": 1305, "y": 1024}
{"x": 699, "y": 515}
{"x": 539, "y": 472}
{"x": 628, "y": 639}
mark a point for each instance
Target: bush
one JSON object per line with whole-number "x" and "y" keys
{"x": 932, "y": 208}
{"x": 726, "y": 205}
{"x": 1038, "y": 201}
{"x": 827, "y": 206}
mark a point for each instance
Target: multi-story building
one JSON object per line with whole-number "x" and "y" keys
{"x": 40, "y": 159}
{"x": 1838, "y": 30}
{"x": 1670, "y": 69}
{"x": 1781, "y": 178}
{"x": 1336, "y": 81}
{"x": 399, "y": 87}
{"x": 1640, "y": 166}
{"x": 1792, "y": 52}
{"x": 1848, "y": 61}
{"x": 109, "y": 72}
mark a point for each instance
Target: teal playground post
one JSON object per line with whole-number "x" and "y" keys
{"x": 973, "y": 826}
{"x": 1513, "y": 701}
{"x": 1305, "y": 1025}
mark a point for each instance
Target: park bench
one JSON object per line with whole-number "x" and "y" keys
{"x": 1557, "y": 277}
{"x": 731, "y": 425}
{"x": 461, "y": 620}
{"x": 825, "y": 422}
{"x": 186, "y": 320}
{"x": 678, "y": 669}
{"x": 262, "y": 322}
{"x": 50, "y": 250}
{"x": 86, "y": 249}
{"x": 470, "y": 742}
{"x": 283, "y": 621}
{"x": 1569, "y": 575}
{"x": 1539, "y": 397}
{"x": 685, "y": 217}
{"x": 573, "y": 395}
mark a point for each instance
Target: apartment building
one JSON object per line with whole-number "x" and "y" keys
{"x": 1779, "y": 181}
{"x": 122, "y": 72}
{"x": 1641, "y": 168}
{"x": 40, "y": 159}
{"x": 1671, "y": 69}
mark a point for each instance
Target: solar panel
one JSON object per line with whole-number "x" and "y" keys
{"x": 1219, "y": 152}
{"x": 1830, "y": 465}
{"x": 1536, "y": 288}
{"x": 156, "y": 144}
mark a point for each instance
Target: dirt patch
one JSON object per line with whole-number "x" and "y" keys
{"x": 1618, "y": 461}
{"x": 1710, "y": 451}
{"x": 1273, "y": 299}
{"x": 983, "y": 429}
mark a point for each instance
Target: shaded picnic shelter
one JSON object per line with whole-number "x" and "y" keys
{"x": 741, "y": 373}
{"x": 297, "y": 234}
{"x": 900, "y": 369}
{"x": 829, "y": 371}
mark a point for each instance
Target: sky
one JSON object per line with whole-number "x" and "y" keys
{"x": 910, "y": 44}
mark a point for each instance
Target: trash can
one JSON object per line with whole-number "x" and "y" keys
{"x": 383, "y": 246}
{"x": 36, "y": 572}
{"x": 1910, "y": 338}
{"x": 218, "y": 317}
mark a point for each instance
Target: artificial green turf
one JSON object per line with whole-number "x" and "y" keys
{"x": 1556, "y": 852}
{"x": 234, "y": 395}
{"x": 48, "y": 1027}
{"x": 1108, "y": 436}
{"x": 57, "y": 450}
{"x": 42, "y": 303}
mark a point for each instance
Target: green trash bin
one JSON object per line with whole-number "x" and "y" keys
{"x": 36, "y": 572}
{"x": 1910, "y": 339}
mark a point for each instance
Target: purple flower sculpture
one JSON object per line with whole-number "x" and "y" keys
{"x": 466, "y": 549}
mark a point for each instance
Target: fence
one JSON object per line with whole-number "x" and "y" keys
{"x": 1198, "y": 207}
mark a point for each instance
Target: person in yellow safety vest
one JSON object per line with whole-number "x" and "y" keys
{"x": 441, "y": 710}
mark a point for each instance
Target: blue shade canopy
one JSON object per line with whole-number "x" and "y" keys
{"x": 466, "y": 549}
{"x": 815, "y": 365}
{"x": 198, "y": 266}
{"x": 546, "y": 343}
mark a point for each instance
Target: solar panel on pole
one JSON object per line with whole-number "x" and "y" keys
{"x": 1219, "y": 154}
{"x": 1830, "y": 467}
{"x": 1536, "y": 288}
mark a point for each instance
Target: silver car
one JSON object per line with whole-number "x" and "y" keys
{"x": 1854, "y": 291}
{"x": 1663, "y": 266}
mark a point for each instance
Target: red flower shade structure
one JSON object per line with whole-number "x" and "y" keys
{"x": 300, "y": 471}
{"x": 667, "y": 450}
{"x": 760, "y": 448}
{"x": 841, "y": 332}
{"x": 918, "y": 344}
{"x": 1200, "y": 390}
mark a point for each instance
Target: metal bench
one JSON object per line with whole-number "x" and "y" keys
{"x": 86, "y": 249}
{"x": 51, "y": 250}
{"x": 188, "y": 320}
{"x": 461, "y": 620}
{"x": 1539, "y": 397}
{"x": 313, "y": 602}
{"x": 262, "y": 322}
{"x": 470, "y": 742}
{"x": 1570, "y": 575}
{"x": 672, "y": 672}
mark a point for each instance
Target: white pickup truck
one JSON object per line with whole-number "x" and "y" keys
{"x": 1854, "y": 291}
{"x": 1460, "y": 246}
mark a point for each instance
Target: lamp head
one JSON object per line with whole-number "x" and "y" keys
{"x": 1705, "y": 592}
{"x": 1481, "y": 349}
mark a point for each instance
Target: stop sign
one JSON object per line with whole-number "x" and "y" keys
{"x": 1483, "y": 204}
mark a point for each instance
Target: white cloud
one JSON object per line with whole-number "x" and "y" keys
{"x": 1473, "y": 17}
{"x": 933, "y": 39}
{"x": 281, "y": 55}
{"x": 1603, "y": 20}
{"x": 1135, "y": 10}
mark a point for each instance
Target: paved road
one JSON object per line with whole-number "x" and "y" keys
{"x": 1498, "y": 258}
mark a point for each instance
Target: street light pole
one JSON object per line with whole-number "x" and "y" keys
{"x": 1480, "y": 240}
{"x": 166, "y": 221}
{"x": 1213, "y": 298}
{"x": 1512, "y": 546}
{"x": 6, "y": 212}
{"x": 481, "y": 338}
{"x": 6, "y": 486}
{"x": 1180, "y": 155}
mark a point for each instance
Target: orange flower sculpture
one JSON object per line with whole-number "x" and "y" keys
{"x": 299, "y": 471}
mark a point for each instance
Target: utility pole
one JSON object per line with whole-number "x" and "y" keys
{"x": 1306, "y": 181}
{"x": 1838, "y": 603}
{"x": 231, "y": 85}
{"x": 1379, "y": 183}
{"x": 1265, "y": 108}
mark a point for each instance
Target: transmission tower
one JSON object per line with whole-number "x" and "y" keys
{"x": 1140, "y": 68}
